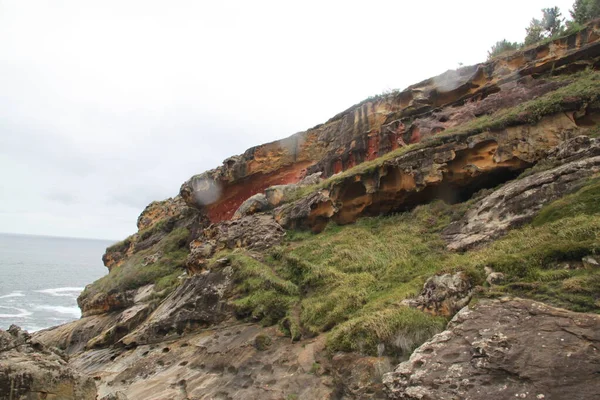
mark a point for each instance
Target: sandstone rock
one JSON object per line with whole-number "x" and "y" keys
{"x": 313, "y": 211}
{"x": 360, "y": 377}
{"x": 199, "y": 302}
{"x": 74, "y": 336}
{"x": 30, "y": 371}
{"x": 254, "y": 204}
{"x": 220, "y": 362}
{"x": 255, "y": 232}
{"x": 502, "y": 350}
{"x": 101, "y": 303}
{"x": 160, "y": 210}
{"x": 377, "y": 126}
{"x": 495, "y": 278}
{"x": 443, "y": 295}
{"x": 518, "y": 202}
{"x": 273, "y": 197}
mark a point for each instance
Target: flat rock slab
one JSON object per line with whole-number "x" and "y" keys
{"x": 505, "y": 349}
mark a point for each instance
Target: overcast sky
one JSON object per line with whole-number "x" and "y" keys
{"x": 108, "y": 105}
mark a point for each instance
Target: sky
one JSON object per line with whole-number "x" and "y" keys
{"x": 108, "y": 105}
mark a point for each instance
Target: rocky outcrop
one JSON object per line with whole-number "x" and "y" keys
{"x": 199, "y": 302}
{"x": 160, "y": 210}
{"x": 504, "y": 350}
{"x": 235, "y": 361}
{"x": 518, "y": 202}
{"x": 175, "y": 330}
{"x": 443, "y": 295}
{"x": 379, "y": 125}
{"x": 274, "y": 196}
{"x": 451, "y": 168}
{"x": 255, "y": 232}
{"x": 30, "y": 371}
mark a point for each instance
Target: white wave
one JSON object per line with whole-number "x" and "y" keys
{"x": 73, "y": 311}
{"x": 16, "y": 293}
{"x": 22, "y": 313}
{"x": 62, "y": 292}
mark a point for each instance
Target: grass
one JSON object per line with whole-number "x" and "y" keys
{"x": 350, "y": 280}
{"x": 134, "y": 274}
{"x": 585, "y": 201}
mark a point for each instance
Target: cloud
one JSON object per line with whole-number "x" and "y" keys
{"x": 62, "y": 197}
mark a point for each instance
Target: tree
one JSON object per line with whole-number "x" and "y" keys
{"x": 502, "y": 47}
{"x": 551, "y": 25}
{"x": 585, "y": 10}
{"x": 534, "y": 32}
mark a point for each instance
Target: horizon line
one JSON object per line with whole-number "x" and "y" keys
{"x": 56, "y": 237}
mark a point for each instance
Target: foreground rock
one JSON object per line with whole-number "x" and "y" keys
{"x": 519, "y": 201}
{"x": 505, "y": 349}
{"x": 230, "y": 361}
{"x": 443, "y": 295}
{"x": 28, "y": 370}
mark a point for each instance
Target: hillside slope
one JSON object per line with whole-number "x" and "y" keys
{"x": 312, "y": 266}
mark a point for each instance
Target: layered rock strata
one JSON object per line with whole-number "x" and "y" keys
{"x": 505, "y": 349}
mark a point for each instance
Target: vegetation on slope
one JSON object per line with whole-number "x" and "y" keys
{"x": 160, "y": 264}
{"x": 551, "y": 26}
{"x": 350, "y": 280}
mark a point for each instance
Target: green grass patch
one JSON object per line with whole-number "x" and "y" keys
{"x": 585, "y": 201}
{"x": 401, "y": 330}
{"x": 134, "y": 274}
{"x": 350, "y": 280}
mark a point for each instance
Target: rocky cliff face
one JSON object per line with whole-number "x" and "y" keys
{"x": 478, "y": 183}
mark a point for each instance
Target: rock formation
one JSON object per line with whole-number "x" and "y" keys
{"x": 518, "y": 201}
{"x": 208, "y": 299}
{"x": 29, "y": 370}
{"x": 512, "y": 348}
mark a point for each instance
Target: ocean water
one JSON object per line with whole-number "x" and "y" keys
{"x": 41, "y": 277}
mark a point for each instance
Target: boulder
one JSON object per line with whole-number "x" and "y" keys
{"x": 30, "y": 371}
{"x": 443, "y": 295}
{"x": 505, "y": 349}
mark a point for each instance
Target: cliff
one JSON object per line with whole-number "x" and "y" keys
{"x": 313, "y": 267}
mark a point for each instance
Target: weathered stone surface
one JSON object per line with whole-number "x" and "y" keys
{"x": 451, "y": 168}
{"x": 199, "y": 302}
{"x": 74, "y": 336}
{"x": 101, "y": 302}
{"x": 313, "y": 211}
{"x": 160, "y": 210}
{"x": 359, "y": 377}
{"x": 273, "y": 197}
{"x": 443, "y": 295}
{"x": 30, "y": 371}
{"x": 376, "y": 126}
{"x": 505, "y": 350}
{"x": 253, "y": 205}
{"x": 518, "y": 202}
{"x": 255, "y": 232}
{"x": 221, "y": 362}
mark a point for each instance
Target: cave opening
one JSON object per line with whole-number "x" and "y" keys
{"x": 458, "y": 192}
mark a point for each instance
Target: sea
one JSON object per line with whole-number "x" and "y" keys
{"x": 41, "y": 277}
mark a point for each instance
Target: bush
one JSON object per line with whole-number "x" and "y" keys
{"x": 502, "y": 47}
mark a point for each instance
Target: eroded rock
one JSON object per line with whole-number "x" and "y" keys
{"x": 519, "y": 201}
{"x": 30, "y": 371}
{"x": 505, "y": 349}
{"x": 443, "y": 295}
